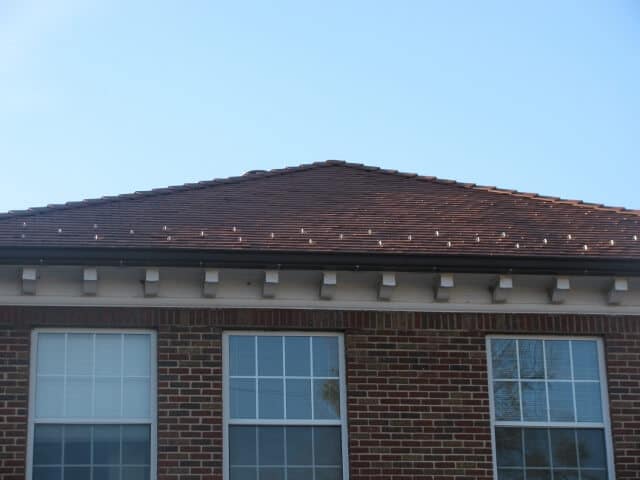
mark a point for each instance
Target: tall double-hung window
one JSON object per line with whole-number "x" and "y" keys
{"x": 284, "y": 407}
{"x": 92, "y": 405}
{"x": 549, "y": 409}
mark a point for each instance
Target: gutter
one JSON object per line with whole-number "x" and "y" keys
{"x": 320, "y": 261}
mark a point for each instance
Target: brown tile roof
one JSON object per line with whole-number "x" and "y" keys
{"x": 334, "y": 206}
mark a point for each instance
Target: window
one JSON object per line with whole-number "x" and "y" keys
{"x": 92, "y": 406}
{"x": 285, "y": 405}
{"x": 549, "y": 409}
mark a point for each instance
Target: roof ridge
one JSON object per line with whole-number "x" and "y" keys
{"x": 89, "y": 202}
{"x": 257, "y": 175}
{"x": 498, "y": 190}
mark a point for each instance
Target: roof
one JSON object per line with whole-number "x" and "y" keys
{"x": 333, "y": 207}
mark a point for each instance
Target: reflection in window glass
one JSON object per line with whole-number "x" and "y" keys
{"x": 91, "y": 450}
{"x": 520, "y": 450}
{"x": 506, "y": 397}
{"x": 531, "y": 359}
{"x": 547, "y": 409}
{"x": 504, "y": 359}
{"x": 303, "y": 448}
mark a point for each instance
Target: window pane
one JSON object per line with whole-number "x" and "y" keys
{"x": 47, "y": 473}
{"x": 565, "y": 475}
{"x": 77, "y": 445}
{"x": 51, "y": 353}
{"x": 106, "y": 444}
{"x": 299, "y": 446}
{"x": 326, "y": 399}
{"x": 509, "y": 447}
{"x": 49, "y": 397}
{"x": 325, "y": 357}
{"x": 240, "y": 473}
{"x": 108, "y": 355}
{"x": 503, "y": 358}
{"x": 79, "y": 354}
{"x": 328, "y": 473}
{"x": 531, "y": 359}
{"x": 79, "y": 401}
{"x": 136, "y": 445}
{"x": 76, "y": 473}
{"x": 135, "y": 473}
{"x": 243, "y": 398}
{"x": 561, "y": 402}
{"x": 327, "y": 446}
{"x": 94, "y": 450}
{"x": 108, "y": 397}
{"x": 591, "y": 448}
{"x": 106, "y": 473}
{"x": 504, "y": 474}
{"x": 506, "y": 400}
{"x": 563, "y": 447}
{"x": 299, "y": 473}
{"x": 242, "y": 445}
{"x": 270, "y": 398}
{"x": 310, "y": 451}
{"x": 297, "y": 356}
{"x": 536, "y": 447}
{"x": 538, "y": 474}
{"x": 137, "y": 355}
{"x": 47, "y": 445}
{"x": 271, "y": 473}
{"x": 242, "y": 356}
{"x": 534, "y": 401}
{"x": 298, "y": 399}
{"x": 558, "y": 359}
{"x": 137, "y": 395}
{"x": 593, "y": 474}
{"x": 588, "y": 404}
{"x": 270, "y": 356}
{"x": 270, "y": 446}
{"x": 585, "y": 360}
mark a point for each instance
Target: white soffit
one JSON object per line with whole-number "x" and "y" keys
{"x": 245, "y": 288}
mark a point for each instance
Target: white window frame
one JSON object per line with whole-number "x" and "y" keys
{"x": 342, "y": 381}
{"x": 153, "y": 392}
{"x": 604, "y": 395}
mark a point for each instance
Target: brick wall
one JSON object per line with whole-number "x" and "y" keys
{"x": 417, "y": 386}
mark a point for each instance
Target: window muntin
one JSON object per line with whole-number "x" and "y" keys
{"x": 548, "y": 409}
{"x": 92, "y": 405}
{"x": 284, "y": 406}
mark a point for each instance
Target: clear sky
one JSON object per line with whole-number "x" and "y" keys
{"x": 100, "y": 97}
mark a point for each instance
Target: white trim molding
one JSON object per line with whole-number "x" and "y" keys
{"x": 210, "y": 282}
{"x": 619, "y": 288}
{"x": 270, "y": 285}
{"x": 329, "y": 284}
{"x": 560, "y": 290}
{"x": 151, "y": 282}
{"x": 90, "y": 281}
{"x": 502, "y": 288}
{"x": 387, "y": 285}
{"x": 444, "y": 287}
{"x": 310, "y": 289}
{"x": 29, "y": 280}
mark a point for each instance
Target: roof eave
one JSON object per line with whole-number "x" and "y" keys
{"x": 583, "y": 265}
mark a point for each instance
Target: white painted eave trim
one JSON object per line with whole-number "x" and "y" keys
{"x": 306, "y": 289}
{"x": 319, "y": 305}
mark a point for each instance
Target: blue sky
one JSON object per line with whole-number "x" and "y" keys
{"x": 100, "y": 97}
